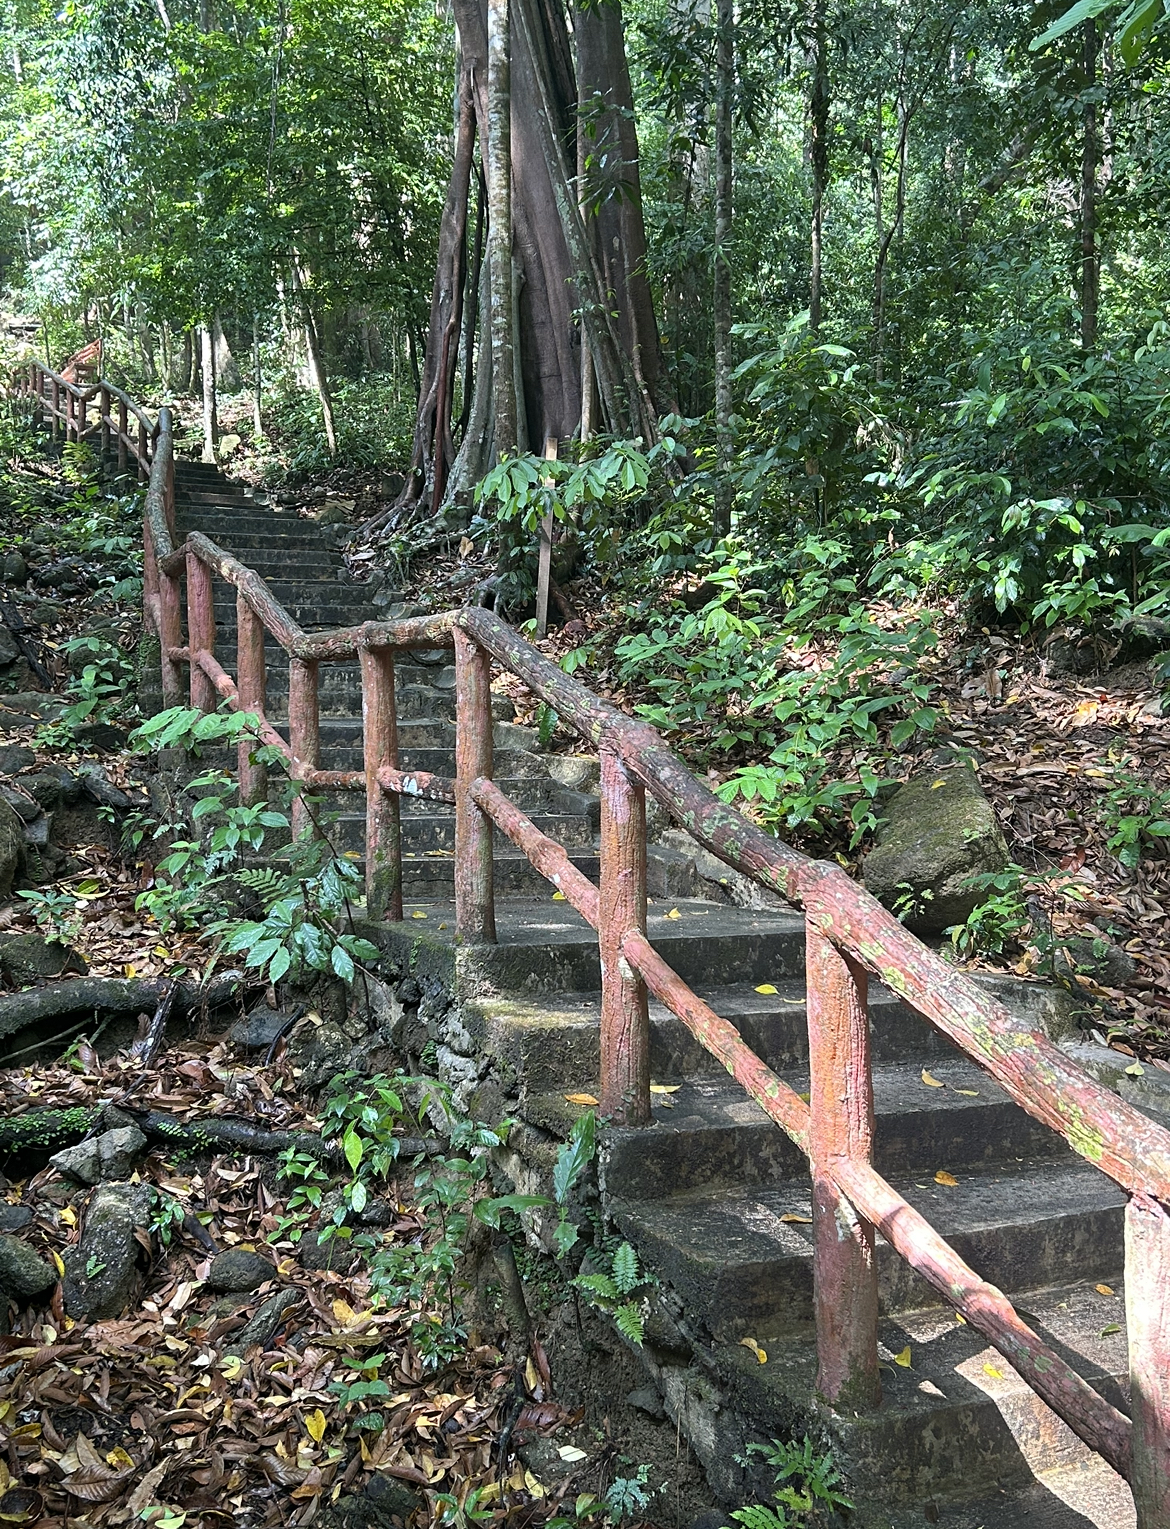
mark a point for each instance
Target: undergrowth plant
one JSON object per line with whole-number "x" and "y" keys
{"x": 807, "y": 1482}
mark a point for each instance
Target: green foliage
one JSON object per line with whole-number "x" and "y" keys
{"x": 1012, "y": 912}
{"x": 1136, "y": 815}
{"x": 807, "y": 1482}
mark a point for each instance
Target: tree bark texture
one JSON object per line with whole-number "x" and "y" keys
{"x": 818, "y": 156}
{"x": 573, "y": 284}
{"x": 1090, "y": 150}
{"x": 721, "y": 284}
{"x": 317, "y": 369}
{"x": 210, "y": 415}
{"x": 498, "y": 159}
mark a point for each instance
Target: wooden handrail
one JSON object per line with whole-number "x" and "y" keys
{"x": 848, "y": 934}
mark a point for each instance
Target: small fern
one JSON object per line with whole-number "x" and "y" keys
{"x": 758, "y": 1517}
{"x": 630, "y": 1322}
{"x": 597, "y": 1284}
{"x": 626, "y": 1274}
{"x": 266, "y": 883}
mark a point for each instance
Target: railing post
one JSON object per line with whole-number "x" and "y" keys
{"x": 143, "y": 454}
{"x": 625, "y": 1021}
{"x": 304, "y": 732}
{"x": 1147, "y": 1314}
{"x": 82, "y": 414}
{"x": 55, "y": 395}
{"x": 250, "y": 682}
{"x": 383, "y": 818}
{"x": 475, "y": 912}
{"x": 104, "y": 418}
{"x": 123, "y": 429}
{"x": 845, "y": 1282}
{"x": 70, "y": 414}
{"x": 200, "y": 630}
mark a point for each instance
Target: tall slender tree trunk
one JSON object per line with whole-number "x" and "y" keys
{"x": 819, "y": 157}
{"x": 210, "y": 412}
{"x": 499, "y": 182}
{"x": 1090, "y": 154}
{"x": 257, "y": 380}
{"x": 318, "y": 375}
{"x": 724, "y": 109}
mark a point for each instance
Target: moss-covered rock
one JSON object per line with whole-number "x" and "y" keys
{"x": 940, "y": 830}
{"x": 11, "y": 848}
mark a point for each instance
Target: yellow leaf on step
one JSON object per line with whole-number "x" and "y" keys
{"x": 315, "y": 1425}
{"x": 751, "y": 1343}
{"x": 674, "y": 913}
{"x": 935, "y": 784}
{"x": 990, "y": 1369}
{"x": 967, "y": 1093}
{"x": 903, "y": 1358}
{"x": 791, "y": 1216}
{"x": 582, "y": 1099}
{"x": 558, "y": 897}
{"x": 1136, "y": 1070}
{"x": 665, "y": 1088}
{"x": 767, "y": 988}
{"x": 418, "y": 913}
{"x": 943, "y": 1177}
{"x": 930, "y": 1080}
{"x": 1104, "y": 1289}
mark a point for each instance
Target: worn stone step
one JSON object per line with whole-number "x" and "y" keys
{"x": 431, "y": 825}
{"x": 542, "y": 1044}
{"x": 546, "y": 947}
{"x": 533, "y": 794}
{"x": 431, "y": 877}
{"x": 711, "y": 1133}
{"x": 741, "y": 1269}
{"x": 957, "y": 1421}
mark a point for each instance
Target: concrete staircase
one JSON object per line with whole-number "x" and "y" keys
{"x": 713, "y": 1195}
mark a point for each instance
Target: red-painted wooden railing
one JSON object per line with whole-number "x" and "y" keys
{"x": 849, "y": 935}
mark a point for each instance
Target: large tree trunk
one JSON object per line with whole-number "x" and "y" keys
{"x": 569, "y": 289}
{"x": 498, "y": 141}
{"x": 318, "y": 375}
{"x": 724, "y": 100}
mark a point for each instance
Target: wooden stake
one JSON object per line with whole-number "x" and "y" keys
{"x": 544, "y": 561}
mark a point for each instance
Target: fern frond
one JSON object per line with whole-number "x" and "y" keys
{"x": 630, "y": 1324}
{"x": 626, "y": 1275}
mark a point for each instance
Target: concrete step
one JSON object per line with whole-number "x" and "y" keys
{"x": 956, "y": 1422}
{"x": 431, "y": 826}
{"x": 741, "y": 1260}
{"x": 542, "y": 1044}
{"x": 431, "y": 877}
{"x": 533, "y": 794}
{"x": 545, "y": 947}
{"x": 710, "y": 1134}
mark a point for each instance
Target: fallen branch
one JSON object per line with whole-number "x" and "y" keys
{"x": 93, "y": 997}
{"x": 47, "y": 1131}
{"x": 149, "y": 1045}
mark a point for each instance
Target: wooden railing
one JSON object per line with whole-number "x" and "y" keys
{"x": 849, "y": 936}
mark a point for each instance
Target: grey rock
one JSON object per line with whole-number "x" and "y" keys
{"x": 15, "y": 569}
{"x": 36, "y": 703}
{"x": 334, "y": 1253}
{"x": 14, "y": 1218}
{"x": 14, "y": 757}
{"x": 239, "y": 1269}
{"x": 1100, "y": 1062}
{"x": 97, "y": 785}
{"x": 36, "y": 831}
{"x": 1041, "y": 1006}
{"x": 26, "y": 957}
{"x": 9, "y": 652}
{"x": 940, "y": 830}
{"x": 101, "y": 1272}
{"x": 24, "y": 1274}
{"x": 1150, "y": 1091}
{"x": 45, "y": 788}
{"x": 103, "y": 1159}
{"x": 1098, "y": 957}
{"x": 259, "y": 1028}
{"x": 646, "y": 1399}
{"x": 394, "y": 1497}
{"x": 577, "y": 771}
{"x": 21, "y": 803}
{"x": 262, "y": 1328}
{"x": 104, "y": 736}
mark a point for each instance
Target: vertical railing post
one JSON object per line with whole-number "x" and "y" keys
{"x": 383, "y": 818}
{"x": 104, "y": 418}
{"x": 475, "y": 912}
{"x": 82, "y": 415}
{"x": 123, "y": 431}
{"x": 55, "y": 394}
{"x": 1147, "y": 1313}
{"x": 250, "y": 682}
{"x": 143, "y": 452}
{"x": 200, "y": 630}
{"x": 625, "y": 1021}
{"x": 70, "y": 414}
{"x": 304, "y": 732}
{"x": 845, "y": 1283}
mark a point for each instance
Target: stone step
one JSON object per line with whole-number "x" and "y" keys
{"x": 545, "y": 947}
{"x": 742, "y": 1269}
{"x": 710, "y": 1133}
{"x": 533, "y": 794}
{"x": 542, "y": 1044}
{"x": 958, "y": 1420}
{"x": 261, "y": 527}
{"x": 431, "y": 877}
{"x": 431, "y": 826}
